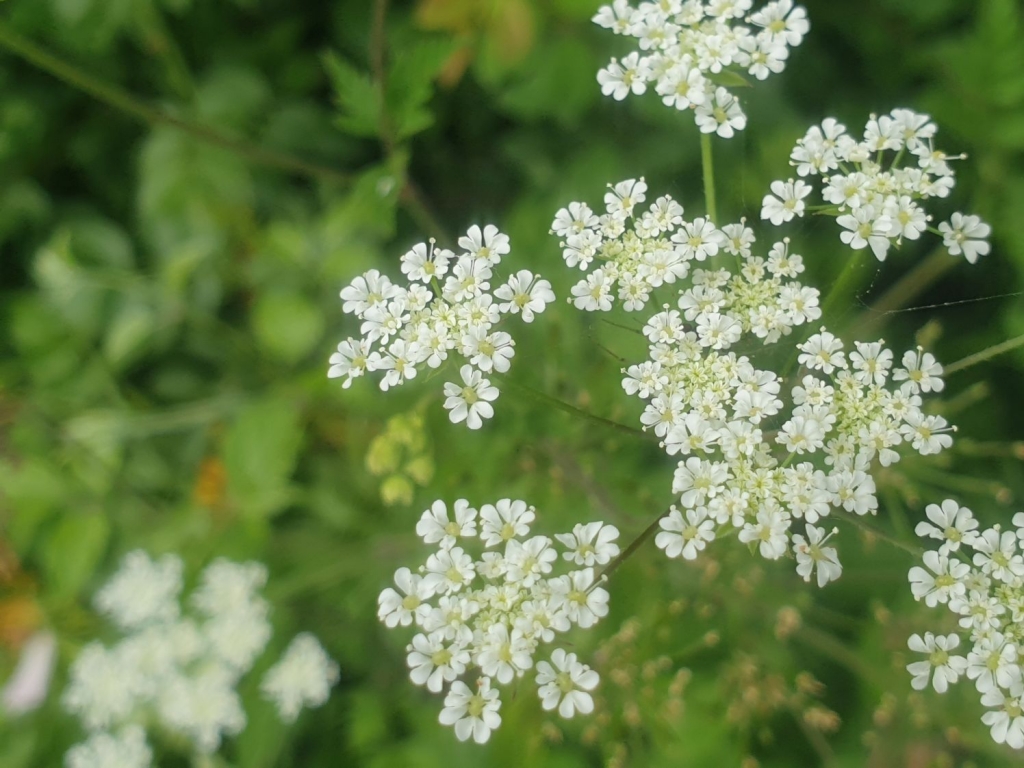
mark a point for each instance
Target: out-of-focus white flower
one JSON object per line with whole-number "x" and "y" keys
{"x": 126, "y": 749}
{"x": 27, "y": 688}
{"x": 142, "y": 591}
{"x": 303, "y": 677}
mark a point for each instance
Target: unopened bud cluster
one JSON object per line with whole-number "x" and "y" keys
{"x": 486, "y": 601}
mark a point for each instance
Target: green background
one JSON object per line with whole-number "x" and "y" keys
{"x": 168, "y": 305}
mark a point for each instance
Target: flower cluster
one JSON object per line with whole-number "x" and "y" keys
{"x": 406, "y": 327}
{"x": 485, "y": 617}
{"x": 979, "y": 576}
{"x": 182, "y": 665}
{"x": 691, "y": 50}
{"x": 877, "y": 187}
{"x": 713, "y": 407}
{"x": 638, "y": 254}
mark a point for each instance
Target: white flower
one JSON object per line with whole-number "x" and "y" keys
{"x": 425, "y": 263}
{"x": 434, "y": 662}
{"x": 618, "y": 80}
{"x": 594, "y": 293}
{"x": 526, "y": 294}
{"x": 301, "y": 678}
{"x": 786, "y": 203}
{"x": 400, "y": 608}
{"x": 1006, "y": 721}
{"x": 584, "y": 604}
{"x": 204, "y": 706}
{"x": 349, "y": 361}
{"x": 590, "y": 543}
{"x": 921, "y": 372}
{"x": 720, "y": 114}
{"x": 435, "y": 526}
{"x": 368, "y": 290}
{"x": 993, "y": 663}
{"x": 472, "y": 713}
{"x": 448, "y": 571}
{"x": 226, "y": 586}
{"x": 996, "y": 555}
{"x": 471, "y": 402}
{"x": 941, "y": 667}
{"x": 783, "y": 21}
{"x": 942, "y": 580}
{"x": 526, "y": 562}
{"x": 811, "y": 555}
{"x": 822, "y": 352}
{"x": 142, "y": 591}
{"x": 866, "y": 227}
{"x": 685, "y": 538}
{"x": 503, "y": 654}
{"x": 953, "y": 525}
{"x": 102, "y": 689}
{"x": 126, "y": 749}
{"x": 487, "y": 246}
{"x": 966, "y": 235}
{"x": 504, "y": 520}
{"x": 565, "y": 684}
{"x": 769, "y": 532}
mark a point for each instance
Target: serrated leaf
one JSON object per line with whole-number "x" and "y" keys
{"x": 410, "y": 84}
{"x": 357, "y": 97}
{"x": 260, "y": 452}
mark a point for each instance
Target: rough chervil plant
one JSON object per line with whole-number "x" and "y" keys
{"x": 777, "y": 426}
{"x": 484, "y": 614}
{"x": 979, "y": 576}
{"x": 407, "y": 327}
{"x": 179, "y": 664}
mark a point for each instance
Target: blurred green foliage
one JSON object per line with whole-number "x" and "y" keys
{"x": 168, "y": 305}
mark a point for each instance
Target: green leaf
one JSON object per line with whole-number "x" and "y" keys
{"x": 260, "y": 452}
{"x": 287, "y": 325}
{"x": 358, "y": 99}
{"x": 72, "y": 551}
{"x": 130, "y": 330}
{"x": 729, "y": 79}
{"x": 410, "y": 85}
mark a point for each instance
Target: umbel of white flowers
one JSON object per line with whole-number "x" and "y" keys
{"x": 979, "y": 576}
{"x": 877, "y": 188}
{"x": 407, "y": 327}
{"x": 712, "y": 407}
{"x": 482, "y": 615}
{"x": 179, "y": 663}
{"x": 690, "y": 51}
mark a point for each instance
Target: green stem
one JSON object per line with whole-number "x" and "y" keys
{"x": 854, "y": 520}
{"x": 841, "y": 287}
{"x": 561, "y": 405}
{"x": 985, "y": 354}
{"x": 625, "y": 554}
{"x": 121, "y": 100}
{"x": 708, "y": 169}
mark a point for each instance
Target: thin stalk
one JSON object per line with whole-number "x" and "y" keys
{"x": 574, "y": 411}
{"x": 985, "y": 354}
{"x": 854, "y": 520}
{"x": 707, "y": 164}
{"x": 123, "y": 101}
{"x": 625, "y": 554}
{"x": 908, "y": 287}
{"x": 841, "y": 287}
